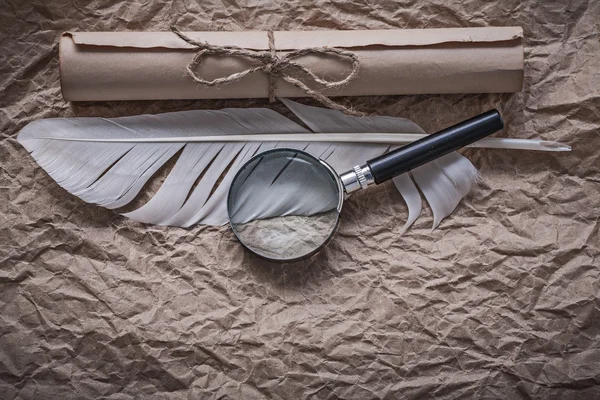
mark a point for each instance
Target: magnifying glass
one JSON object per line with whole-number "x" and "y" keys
{"x": 284, "y": 204}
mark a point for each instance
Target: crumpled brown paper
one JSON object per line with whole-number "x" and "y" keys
{"x": 500, "y": 302}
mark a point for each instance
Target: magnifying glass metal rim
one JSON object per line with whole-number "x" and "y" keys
{"x": 331, "y": 172}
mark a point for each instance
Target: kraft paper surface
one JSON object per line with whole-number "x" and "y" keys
{"x": 501, "y": 301}
{"x": 152, "y": 65}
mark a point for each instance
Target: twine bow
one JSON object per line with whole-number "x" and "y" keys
{"x": 274, "y": 66}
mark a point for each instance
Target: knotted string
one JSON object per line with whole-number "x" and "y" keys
{"x": 274, "y": 66}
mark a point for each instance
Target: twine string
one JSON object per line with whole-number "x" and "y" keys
{"x": 274, "y": 65}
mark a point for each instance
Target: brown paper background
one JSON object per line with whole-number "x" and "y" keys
{"x": 500, "y": 302}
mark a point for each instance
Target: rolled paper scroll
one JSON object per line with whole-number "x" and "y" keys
{"x": 152, "y": 65}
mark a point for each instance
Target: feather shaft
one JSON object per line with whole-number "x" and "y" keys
{"x": 375, "y": 138}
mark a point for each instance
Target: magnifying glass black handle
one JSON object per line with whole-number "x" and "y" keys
{"x": 434, "y": 146}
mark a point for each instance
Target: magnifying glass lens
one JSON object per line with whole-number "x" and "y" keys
{"x": 284, "y": 204}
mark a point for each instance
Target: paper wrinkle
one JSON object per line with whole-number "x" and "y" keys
{"x": 501, "y": 301}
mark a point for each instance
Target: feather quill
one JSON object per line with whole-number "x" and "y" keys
{"x": 108, "y": 161}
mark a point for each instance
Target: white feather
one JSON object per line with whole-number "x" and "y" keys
{"x": 108, "y": 161}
